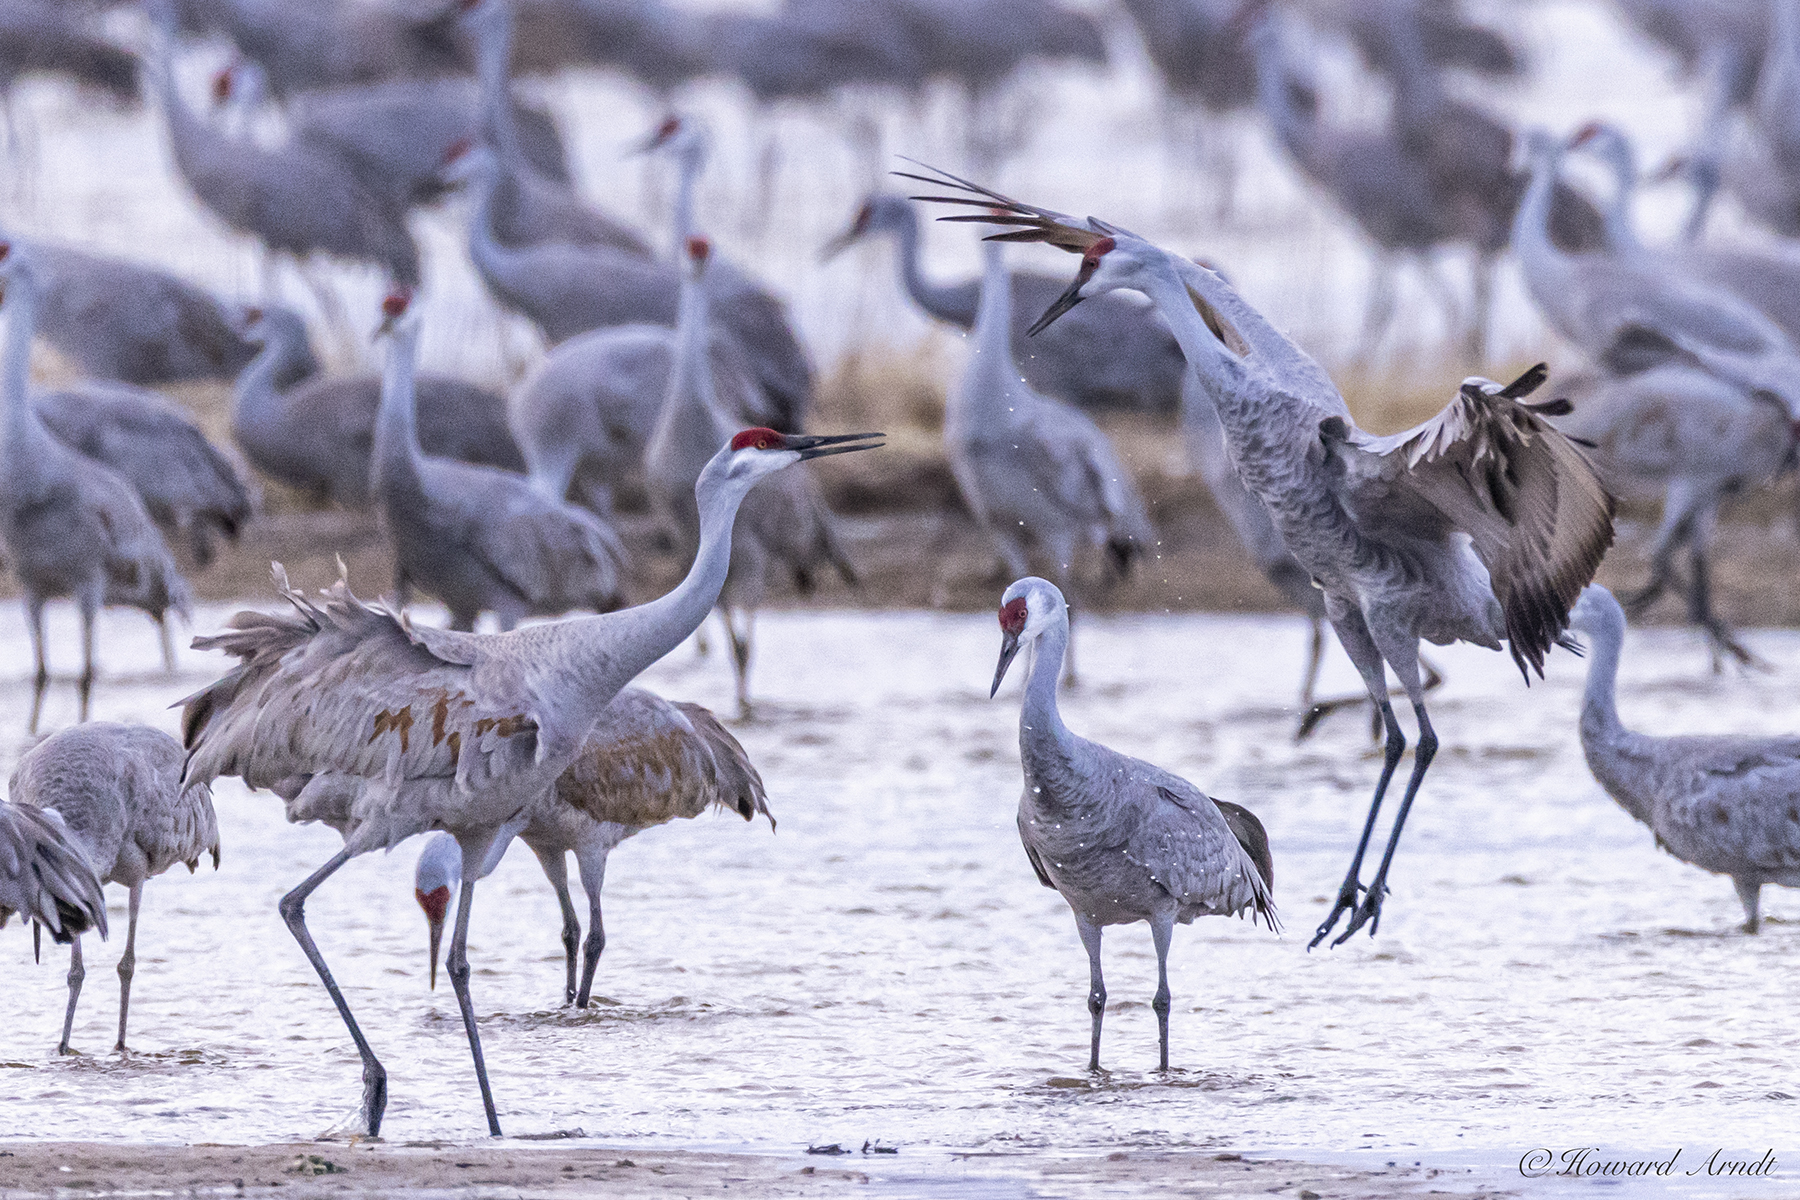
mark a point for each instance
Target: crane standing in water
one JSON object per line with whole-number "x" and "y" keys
{"x": 1483, "y": 524}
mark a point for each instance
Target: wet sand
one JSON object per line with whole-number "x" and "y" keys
{"x": 572, "y": 1167}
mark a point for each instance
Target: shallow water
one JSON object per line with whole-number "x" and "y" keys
{"x": 887, "y": 967}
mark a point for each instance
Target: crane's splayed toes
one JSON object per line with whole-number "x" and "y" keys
{"x": 1348, "y": 900}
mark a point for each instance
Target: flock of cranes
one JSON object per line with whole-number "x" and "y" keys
{"x": 682, "y": 375}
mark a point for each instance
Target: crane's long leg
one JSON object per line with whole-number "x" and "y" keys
{"x": 76, "y": 974}
{"x": 1162, "y": 929}
{"x": 740, "y": 655}
{"x": 1090, "y": 939}
{"x": 1353, "y": 635}
{"x": 128, "y": 965}
{"x": 34, "y": 613}
{"x": 556, "y": 870}
{"x": 457, "y": 967}
{"x": 1403, "y": 655}
{"x": 593, "y": 878}
{"x": 168, "y": 643}
{"x": 89, "y": 610}
{"x": 1379, "y": 312}
{"x": 1700, "y": 610}
{"x": 1750, "y": 896}
{"x": 293, "y": 911}
{"x": 1682, "y": 505}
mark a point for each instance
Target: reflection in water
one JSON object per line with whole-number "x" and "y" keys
{"x": 886, "y": 966}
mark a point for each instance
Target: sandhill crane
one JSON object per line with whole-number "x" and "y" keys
{"x": 1624, "y": 315}
{"x": 318, "y": 436}
{"x": 118, "y": 790}
{"x": 396, "y": 134}
{"x": 1122, "y": 841}
{"x": 507, "y": 713}
{"x": 332, "y": 42}
{"x": 1482, "y": 524}
{"x": 530, "y": 208}
{"x": 189, "y": 488}
{"x": 294, "y": 197}
{"x": 44, "y": 876}
{"x": 477, "y": 538}
{"x": 1117, "y": 356}
{"x": 584, "y": 414}
{"x": 1038, "y": 475}
{"x": 787, "y": 525}
{"x": 123, "y": 320}
{"x": 1700, "y": 440}
{"x": 1723, "y": 803}
{"x": 753, "y": 314}
{"x": 647, "y": 762}
{"x": 1767, "y": 279}
{"x": 569, "y": 290}
{"x": 70, "y": 526}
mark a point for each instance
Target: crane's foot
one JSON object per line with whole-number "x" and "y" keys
{"x": 1347, "y": 898}
{"x": 1367, "y": 913}
{"x": 1725, "y": 645}
{"x": 374, "y": 1102}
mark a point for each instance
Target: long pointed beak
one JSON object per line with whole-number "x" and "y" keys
{"x": 838, "y": 245}
{"x": 435, "y": 903}
{"x": 819, "y": 447}
{"x": 382, "y": 330}
{"x": 1069, "y": 299}
{"x": 1009, "y": 649}
{"x": 37, "y": 942}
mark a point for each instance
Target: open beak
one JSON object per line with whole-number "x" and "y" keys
{"x": 819, "y": 447}
{"x": 1064, "y": 303}
{"x": 435, "y": 903}
{"x": 1009, "y": 649}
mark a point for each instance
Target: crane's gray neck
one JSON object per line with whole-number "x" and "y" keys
{"x": 1599, "y": 703}
{"x": 1546, "y": 266}
{"x": 1621, "y": 237}
{"x": 1418, "y": 92}
{"x": 24, "y": 433}
{"x": 941, "y": 302}
{"x": 1041, "y": 730}
{"x": 991, "y": 391}
{"x": 255, "y": 397}
{"x": 607, "y": 652}
{"x": 689, "y": 427}
{"x": 690, "y": 162}
{"x": 396, "y": 451}
{"x": 1298, "y": 132}
{"x": 497, "y": 262}
{"x": 493, "y": 55}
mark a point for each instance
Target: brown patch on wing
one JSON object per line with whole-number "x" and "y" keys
{"x": 389, "y": 720}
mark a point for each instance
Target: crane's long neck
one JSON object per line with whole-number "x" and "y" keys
{"x": 941, "y": 302}
{"x": 1613, "y": 752}
{"x": 991, "y": 393}
{"x": 187, "y": 133}
{"x": 1547, "y": 269}
{"x": 689, "y": 427}
{"x": 690, "y": 163}
{"x": 396, "y": 452}
{"x": 1418, "y": 92}
{"x": 254, "y": 396}
{"x": 493, "y": 55}
{"x": 1297, "y": 131}
{"x": 1040, "y": 721}
{"x": 24, "y": 432}
{"x": 500, "y": 265}
{"x": 597, "y": 656}
{"x": 1621, "y": 237}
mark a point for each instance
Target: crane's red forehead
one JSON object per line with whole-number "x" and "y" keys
{"x": 1012, "y": 616}
{"x": 699, "y": 248}
{"x": 1096, "y": 251}
{"x": 394, "y": 304}
{"x": 758, "y": 439}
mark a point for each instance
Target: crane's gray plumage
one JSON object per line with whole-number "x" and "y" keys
{"x": 1118, "y": 355}
{"x": 584, "y": 415}
{"x": 1625, "y": 315}
{"x": 123, "y": 320}
{"x": 71, "y": 526}
{"x": 318, "y": 436}
{"x": 45, "y": 876}
{"x": 1483, "y": 524}
{"x": 118, "y": 792}
{"x": 294, "y": 197}
{"x": 40, "y": 37}
{"x": 1120, "y": 839}
{"x": 188, "y": 486}
{"x": 1727, "y": 804}
{"x": 453, "y": 731}
{"x": 785, "y": 526}
{"x": 331, "y": 42}
{"x": 647, "y": 762}
{"x": 477, "y": 538}
{"x": 569, "y": 289}
{"x": 1038, "y": 475}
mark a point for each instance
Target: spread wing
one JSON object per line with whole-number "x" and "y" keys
{"x": 1033, "y": 224}
{"x": 44, "y": 876}
{"x": 1493, "y": 468}
{"x": 648, "y": 761}
{"x": 341, "y": 686}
